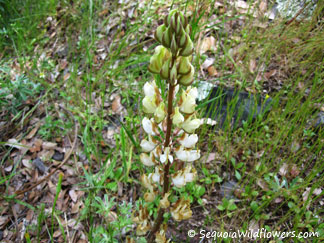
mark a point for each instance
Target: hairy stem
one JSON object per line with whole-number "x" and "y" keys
{"x": 166, "y": 183}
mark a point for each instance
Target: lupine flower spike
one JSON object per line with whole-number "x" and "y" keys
{"x": 169, "y": 126}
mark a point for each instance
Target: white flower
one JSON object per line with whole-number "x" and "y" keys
{"x": 148, "y": 126}
{"x": 190, "y": 125}
{"x": 147, "y": 159}
{"x": 149, "y": 88}
{"x": 179, "y": 180}
{"x": 188, "y": 141}
{"x": 177, "y": 118}
{"x": 188, "y": 104}
{"x": 155, "y": 177}
{"x": 187, "y": 155}
{"x": 149, "y": 104}
{"x": 160, "y": 113}
{"x": 190, "y": 173}
{"x": 148, "y": 146}
{"x": 166, "y": 156}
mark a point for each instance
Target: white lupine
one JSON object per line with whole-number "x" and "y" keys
{"x": 149, "y": 88}
{"x": 155, "y": 177}
{"x": 187, "y": 155}
{"x": 189, "y": 97}
{"x": 148, "y": 126}
{"x": 179, "y": 180}
{"x": 166, "y": 156}
{"x": 190, "y": 125}
{"x": 189, "y": 141}
{"x": 190, "y": 173}
{"x": 149, "y": 104}
{"x": 148, "y": 146}
{"x": 147, "y": 159}
{"x": 160, "y": 113}
{"x": 177, "y": 118}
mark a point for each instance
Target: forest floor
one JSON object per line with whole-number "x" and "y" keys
{"x": 72, "y": 74}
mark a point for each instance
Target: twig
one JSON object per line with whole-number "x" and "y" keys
{"x": 63, "y": 162}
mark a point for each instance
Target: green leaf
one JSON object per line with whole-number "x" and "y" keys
{"x": 221, "y": 207}
{"x": 238, "y": 175}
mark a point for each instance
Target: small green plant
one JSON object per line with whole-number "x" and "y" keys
{"x": 52, "y": 128}
{"x": 227, "y": 205}
{"x": 170, "y": 128}
{"x": 14, "y": 93}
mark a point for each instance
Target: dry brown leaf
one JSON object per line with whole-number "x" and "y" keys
{"x": 294, "y": 171}
{"x": 32, "y": 133}
{"x": 73, "y": 195}
{"x": 263, "y": 6}
{"x": 208, "y": 44}
{"x": 207, "y": 63}
{"x": 212, "y": 71}
{"x": 252, "y": 65}
{"x": 271, "y": 73}
{"x": 116, "y": 104}
{"x": 49, "y": 145}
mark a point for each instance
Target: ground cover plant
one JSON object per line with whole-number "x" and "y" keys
{"x": 72, "y": 77}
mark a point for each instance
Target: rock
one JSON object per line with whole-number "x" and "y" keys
{"x": 234, "y": 106}
{"x": 58, "y": 156}
{"x": 39, "y": 164}
{"x": 319, "y": 121}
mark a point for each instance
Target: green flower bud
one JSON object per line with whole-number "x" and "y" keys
{"x": 161, "y": 54}
{"x": 188, "y": 29}
{"x": 168, "y": 19}
{"x": 166, "y": 39}
{"x": 178, "y": 26}
{"x": 187, "y": 79}
{"x": 159, "y": 33}
{"x": 160, "y": 113}
{"x": 177, "y": 117}
{"x": 174, "y": 48}
{"x": 165, "y": 70}
{"x": 184, "y": 66}
{"x": 173, "y": 74}
{"x": 183, "y": 38}
{"x": 188, "y": 49}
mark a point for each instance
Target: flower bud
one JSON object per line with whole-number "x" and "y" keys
{"x": 183, "y": 38}
{"x": 159, "y": 33}
{"x": 177, "y": 118}
{"x": 188, "y": 49}
{"x": 188, "y": 104}
{"x": 149, "y": 104}
{"x": 160, "y": 113}
{"x": 178, "y": 26}
{"x": 184, "y": 66}
{"x": 188, "y": 29}
{"x": 165, "y": 70}
{"x": 166, "y": 38}
{"x": 190, "y": 125}
{"x": 168, "y": 19}
{"x": 156, "y": 61}
{"x": 173, "y": 74}
{"x": 187, "y": 79}
{"x": 174, "y": 48}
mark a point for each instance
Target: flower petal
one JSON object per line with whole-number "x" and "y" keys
{"x": 187, "y": 155}
{"x": 189, "y": 141}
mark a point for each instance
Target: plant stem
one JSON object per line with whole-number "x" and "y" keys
{"x": 166, "y": 182}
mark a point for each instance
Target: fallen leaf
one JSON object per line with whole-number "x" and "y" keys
{"x": 208, "y": 62}
{"x": 212, "y": 71}
{"x": 116, "y": 104}
{"x": 252, "y": 65}
{"x": 208, "y": 44}
{"x": 49, "y": 145}
{"x": 73, "y": 195}
{"x": 294, "y": 171}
